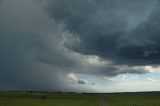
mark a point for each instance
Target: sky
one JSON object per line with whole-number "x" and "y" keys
{"x": 80, "y": 45}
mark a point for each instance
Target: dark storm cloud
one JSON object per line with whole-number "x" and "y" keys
{"x": 125, "y": 32}
{"x": 141, "y": 44}
{"x": 29, "y": 42}
{"x": 42, "y": 41}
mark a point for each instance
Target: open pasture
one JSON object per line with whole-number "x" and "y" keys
{"x": 74, "y": 99}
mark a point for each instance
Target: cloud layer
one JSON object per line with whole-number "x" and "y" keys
{"x": 41, "y": 42}
{"x": 28, "y": 37}
{"x": 125, "y": 32}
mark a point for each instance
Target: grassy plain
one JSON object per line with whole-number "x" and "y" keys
{"x": 72, "y": 99}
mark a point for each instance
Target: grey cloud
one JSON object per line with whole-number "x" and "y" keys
{"x": 111, "y": 70}
{"x": 37, "y": 55}
{"x": 141, "y": 45}
{"x": 33, "y": 56}
{"x": 110, "y": 28}
{"x": 29, "y": 43}
{"x": 81, "y": 82}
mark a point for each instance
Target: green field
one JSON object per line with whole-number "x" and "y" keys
{"x": 72, "y": 99}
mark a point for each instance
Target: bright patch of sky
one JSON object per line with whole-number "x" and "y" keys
{"x": 123, "y": 82}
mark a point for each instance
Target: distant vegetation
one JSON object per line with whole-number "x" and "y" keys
{"x": 78, "y": 99}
